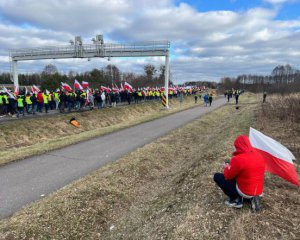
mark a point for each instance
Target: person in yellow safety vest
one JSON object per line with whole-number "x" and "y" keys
{"x": 1, "y": 103}
{"x": 157, "y": 94}
{"x": 46, "y": 102}
{"x": 28, "y": 104}
{"x": 153, "y": 94}
{"x": 150, "y": 94}
{"x": 171, "y": 93}
{"x": 5, "y": 103}
{"x": 20, "y": 106}
{"x": 56, "y": 99}
{"x": 140, "y": 95}
{"x": 50, "y": 100}
{"x": 83, "y": 97}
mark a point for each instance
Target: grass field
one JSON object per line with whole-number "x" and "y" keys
{"x": 165, "y": 190}
{"x": 27, "y": 137}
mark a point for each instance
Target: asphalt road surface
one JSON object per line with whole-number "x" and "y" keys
{"x": 30, "y": 179}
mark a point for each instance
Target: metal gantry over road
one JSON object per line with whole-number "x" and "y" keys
{"x": 98, "y": 49}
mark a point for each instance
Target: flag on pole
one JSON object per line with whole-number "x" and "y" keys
{"x": 77, "y": 85}
{"x": 128, "y": 86}
{"x": 66, "y": 86}
{"x": 114, "y": 88}
{"x": 35, "y": 89}
{"x": 16, "y": 90}
{"x": 85, "y": 84}
{"x": 106, "y": 89}
{"x": 279, "y": 160}
{"x": 8, "y": 92}
{"x": 122, "y": 88}
{"x": 26, "y": 91}
{"x": 47, "y": 92}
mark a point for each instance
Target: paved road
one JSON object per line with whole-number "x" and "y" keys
{"x": 25, "y": 181}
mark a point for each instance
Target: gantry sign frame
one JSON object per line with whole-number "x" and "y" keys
{"x": 98, "y": 49}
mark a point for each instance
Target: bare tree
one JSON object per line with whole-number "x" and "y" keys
{"x": 150, "y": 71}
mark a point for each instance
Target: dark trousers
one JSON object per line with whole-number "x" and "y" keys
{"x": 228, "y": 187}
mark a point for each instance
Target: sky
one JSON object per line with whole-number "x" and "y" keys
{"x": 210, "y": 39}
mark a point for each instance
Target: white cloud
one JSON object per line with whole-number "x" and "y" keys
{"x": 205, "y": 45}
{"x": 276, "y": 2}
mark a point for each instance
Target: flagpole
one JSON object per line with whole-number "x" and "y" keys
{"x": 167, "y": 61}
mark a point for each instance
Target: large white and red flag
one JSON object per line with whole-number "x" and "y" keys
{"x": 279, "y": 160}
{"x": 85, "y": 84}
{"x": 114, "y": 88}
{"x": 128, "y": 86}
{"x": 8, "y": 92}
{"x": 77, "y": 85}
{"x": 106, "y": 89}
{"x": 66, "y": 86}
{"x": 35, "y": 89}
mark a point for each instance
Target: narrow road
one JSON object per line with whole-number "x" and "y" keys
{"x": 25, "y": 181}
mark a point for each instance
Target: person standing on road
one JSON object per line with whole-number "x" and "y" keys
{"x": 103, "y": 98}
{"x": 1, "y": 103}
{"x": 20, "y": 106}
{"x": 40, "y": 101}
{"x": 196, "y": 98}
{"x": 237, "y": 97}
{"x": 28, "y": 104}
{"x": 264, "y": 96}
{"x": 33, "y": 99}
{"x": 46, "y": 102}
{"x": 210, "y": 98}
{"x": 205, "y": 99}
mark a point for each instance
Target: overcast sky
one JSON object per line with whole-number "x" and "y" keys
{"x": 210, "y": 39}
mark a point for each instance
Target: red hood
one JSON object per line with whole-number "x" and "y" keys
{"x": 242, "y": 145}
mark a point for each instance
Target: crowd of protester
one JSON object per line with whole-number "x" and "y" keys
{"x": 62, "y": 100}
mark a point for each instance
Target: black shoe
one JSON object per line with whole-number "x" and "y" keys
{"x": 256, "y": 204}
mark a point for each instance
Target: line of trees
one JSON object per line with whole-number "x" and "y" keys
{"x": 283, "y": 78}
{"x": 50, "y": 78}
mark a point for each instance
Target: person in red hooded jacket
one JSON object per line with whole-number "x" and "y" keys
{"x": 243, "y": 177}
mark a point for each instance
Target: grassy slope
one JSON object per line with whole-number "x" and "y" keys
{"x": 18, "y": 140}
{"x": 164, "y": 191}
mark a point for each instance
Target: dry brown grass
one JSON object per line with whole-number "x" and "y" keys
{"x": 27, "y": 137}
{"x": 164, "y": 191}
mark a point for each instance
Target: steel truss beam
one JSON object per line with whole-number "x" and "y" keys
{"x": 96, "y": 50}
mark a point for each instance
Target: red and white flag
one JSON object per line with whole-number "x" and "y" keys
{"x": 26, "y": 91}
{"x": 106, "y": 89}
{"x": 35, "y": 89}
{"x": 66, "y": 86}
{"x": 77, "y": 85}
{"x": 8, "y": 92}
{"x": 128, "y": 86}
{"x": 85, "y": 84}
{"x": 279, "y": 160}
{"x": 114, "y": 88}
{"x": 16, "y": 90}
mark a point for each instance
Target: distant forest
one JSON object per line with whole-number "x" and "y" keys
{"x": 282, "y": 78}
{"x": 50, "y": 78}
